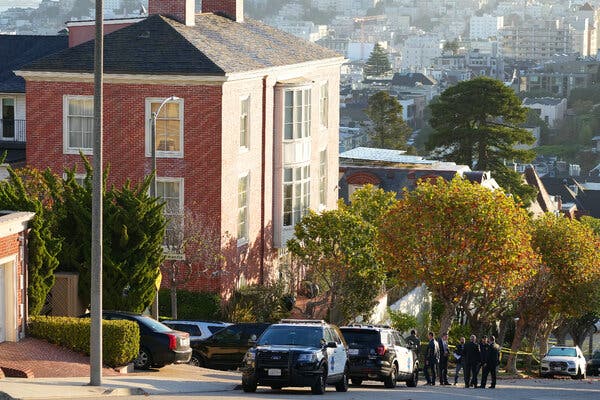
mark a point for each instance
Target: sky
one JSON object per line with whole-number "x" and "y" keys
{"x": 5, "y": 4}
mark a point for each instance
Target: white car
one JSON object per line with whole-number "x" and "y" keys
{"x": 563, "y": 360}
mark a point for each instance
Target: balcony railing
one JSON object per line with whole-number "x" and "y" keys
{"x": 12, "y": 130}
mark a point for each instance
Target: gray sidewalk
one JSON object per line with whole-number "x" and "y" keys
{"x": 169, "y": 380}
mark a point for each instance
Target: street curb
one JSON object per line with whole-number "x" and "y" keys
{"x": 101, "y": 392}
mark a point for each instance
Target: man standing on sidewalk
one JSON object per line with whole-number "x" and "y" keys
{"x": 444, "y": 354}
{"x": 491, "y": 364}
{"x": 432, "y": 358}
{"x": 458, "y": 356}
{"x": 472, "y": 359}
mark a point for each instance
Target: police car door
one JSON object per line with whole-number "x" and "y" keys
{"x": 403, "y": 354}
{"x": 337, "y": 355}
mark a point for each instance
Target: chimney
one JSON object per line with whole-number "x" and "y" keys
{"x": 233, "y": 9}
{"x": 183, "y": 11}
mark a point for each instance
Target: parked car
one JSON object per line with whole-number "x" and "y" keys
{"x": 380, "y": 353}
{"x": 198, "y": 330}
{"x": 593, "y": 364}
{"x": 225, "y": 349}
{"x": 159, "y": 344}
{"x": 297, "y": 353}
{"x": 563, "y": 360}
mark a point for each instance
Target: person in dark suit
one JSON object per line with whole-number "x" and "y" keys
{"x": 414, "y": 340}
{"x": 472, "y": 358}
{"x": 432, "y": 358}
{"x": 483, "y": 350}
{"x": 444, "y": 354}
{"x": 458, "y": 357}
{"x": 491, "y": 363}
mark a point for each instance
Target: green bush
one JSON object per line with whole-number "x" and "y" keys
{"x": 120, "y": 339}
{"x": 190, "y": 305}
{"x": 258, "y": 303}
{"x": 401, "y": 321}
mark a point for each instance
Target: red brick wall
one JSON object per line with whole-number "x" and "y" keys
{"x": 232, "y": 8}
{"x": 173, "y": 8}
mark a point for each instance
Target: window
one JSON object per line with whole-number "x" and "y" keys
{"x": 242, "y": 231}
{"x": 296, "y": 194}
{"x": 324, "y": 105}
{"x": 170, "y": 190}
{"x": 78, "y": 124}
{"x": 244, "y": 122}
{"x": 323, "y": 177}
{"x": 169, "y": 128}
{"x": 297, "y": 114}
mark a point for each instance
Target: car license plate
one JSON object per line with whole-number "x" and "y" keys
{"x": 556, "y": 368}
{"x": 274, "y": 372}
{"x": 353, "y": 352}
{"x": 185, "y": 342}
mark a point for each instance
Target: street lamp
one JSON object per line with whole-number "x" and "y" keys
{"x": 153, "y": 186}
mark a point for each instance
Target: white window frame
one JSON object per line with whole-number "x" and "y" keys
{"x": 245, "y": 124}
{"x": 79, "y": 178}
{"x": 300, "y": 194}
{"x": 67, "y": 149}
{"x": 304, "y": 122}
{"x": 324, "y": 104}
{"x": 243, "y": 237}
{"x": 161, "y": 153}
{"x": 180, "y": 181}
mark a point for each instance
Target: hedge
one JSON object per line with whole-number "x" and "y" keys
{"x": 190, "y": 305}
{"x": 120, "y": 344}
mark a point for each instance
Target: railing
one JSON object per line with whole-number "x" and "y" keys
{"x": 12, "y": 130}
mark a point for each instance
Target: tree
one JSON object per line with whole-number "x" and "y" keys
{"x": 338, "y": 247}
{"x": 452, "y": 46}
{"x": 388, "y": 129}
{"x": 458, "y": 238}
{"x": 378, "y": 62}
{"x": 565, "y": 283}
{"x": 476, "y": 123}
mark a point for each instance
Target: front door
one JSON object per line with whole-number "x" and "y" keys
{"x": 8, "y": 118}
{"x": 2, "y": 307}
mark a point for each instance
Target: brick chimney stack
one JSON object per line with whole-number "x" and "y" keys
{"x": 183, "y": 11}
{"x": 233, "y": 9}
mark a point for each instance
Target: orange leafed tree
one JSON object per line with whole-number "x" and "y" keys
{"x": 460, "y": 239}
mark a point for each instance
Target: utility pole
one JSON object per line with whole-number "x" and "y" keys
{"x": 96, "y": 279}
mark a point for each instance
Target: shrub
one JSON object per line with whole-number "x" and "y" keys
{"x": 401, "y": 321}
{"x": 259, "y": 303}
{"x": 190, "y": 305}
{"x": 120, "y": 339}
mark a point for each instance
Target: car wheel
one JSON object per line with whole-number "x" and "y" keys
{"x": 342, "y": 385}
{"x": 579, "y": 375}
{"x": 414, "y": 378}
{"x": 390, "y": 380}
{"x": 356, "y": 382}
{"x": 319, "y": 386}
{"x": 143, "y": 360}
{"x": 249, "y": 385}
{"x": 194, "y": 360}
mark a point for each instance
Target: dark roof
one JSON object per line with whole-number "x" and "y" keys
{"x": 18, "y": 50}
{"x": 411, "y": 79}
{"x": 215, "y": 46}
{"x": 548, "y": 101}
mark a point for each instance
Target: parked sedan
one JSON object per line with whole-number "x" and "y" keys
{"x": 593, "y": 364}
{"x": 198, "y": 331}
{"x": 225, "y": 349}
{"x": 159, "y": 344}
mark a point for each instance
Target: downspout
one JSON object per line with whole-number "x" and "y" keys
{"x": 25, "y": 270}
{"x": 262, "y": 183}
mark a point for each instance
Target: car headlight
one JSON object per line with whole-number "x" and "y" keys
{"x": 307, "y": 357}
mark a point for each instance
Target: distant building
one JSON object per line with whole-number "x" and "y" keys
{"x": 539, "y": 41}
{"x": 485, "y": 26}
{"x": 418, "y": 52}
{"x": 551, "y": 110}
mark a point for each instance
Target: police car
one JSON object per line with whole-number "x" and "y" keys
{"x": 297, "y": 353}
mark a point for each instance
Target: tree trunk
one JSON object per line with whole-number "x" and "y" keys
{"x": 502, "y": 329}
{"x": 561, "y": 335}
{"x": 591, "y": 341}
{"x": 544, "y": 335}
{"x": 447, "y": 317}
{"x": 511, "y": 363}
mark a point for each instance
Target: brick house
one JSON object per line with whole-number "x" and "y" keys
{"x": 247, "y": 147}
{"x": 13, "y": 274}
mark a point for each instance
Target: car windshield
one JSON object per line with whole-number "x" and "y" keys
{"x": 292, "y": 335}
{"x": 563, "y": 351}
{"x": 154, "y": 325}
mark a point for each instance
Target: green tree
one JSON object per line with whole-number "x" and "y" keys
{"x": 476, "y": 123}
{"x": 378, "y": 62}
{"x": 42, "y": 247}
{"x": 565, "y": 283}
{"x": 388, "y": 129}
{"x": 460, "y": 239}
{"x": 452, "y": 46}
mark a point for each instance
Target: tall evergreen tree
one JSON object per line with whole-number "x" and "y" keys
{"x": 43, "y": 247}
{"x": 389, "y": 131}
{"x": 476, "y": 123}
{"x": 378, "y": 62}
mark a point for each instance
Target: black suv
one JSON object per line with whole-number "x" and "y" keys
{"x": 380, "y": 353}
{"x": 297, "y": 353}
